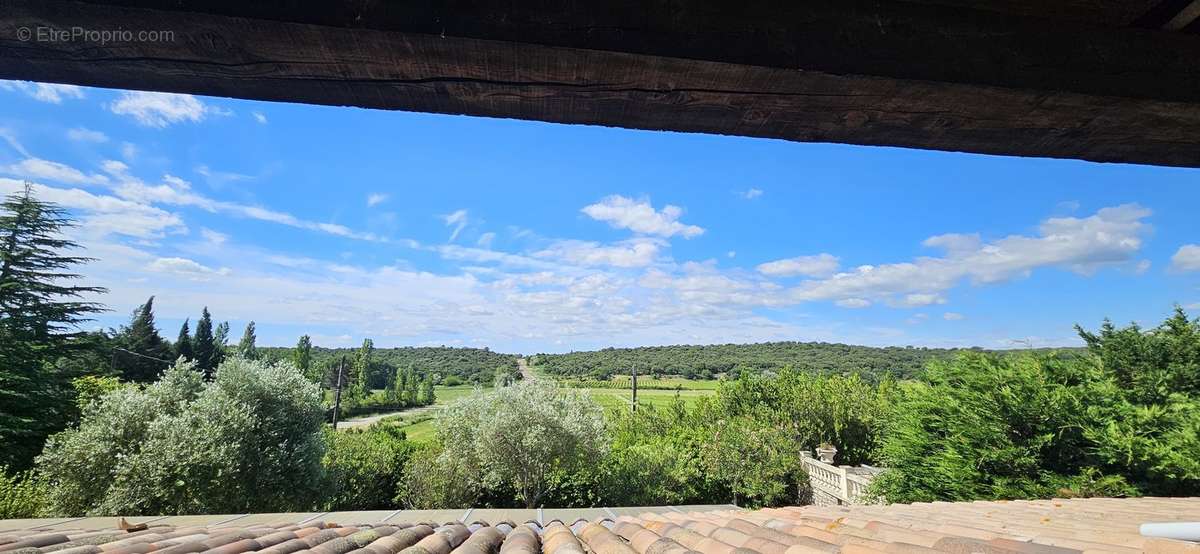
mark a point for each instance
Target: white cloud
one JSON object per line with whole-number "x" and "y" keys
{"x": 44, "y": 92}
{"x": 259, "y": 117}
{"x": 485, "y": 240}
{"x": 129, "y": 151}
{"x": 1187, "y": 258}
{"x": 161, "y": 109}
{"x": 375, "y": 199}
{"x": 630, "y": 253}
{"x": 188, "y": 269}
{"x": 213, "y": 237}
{"x": 641, "y": 217}
{"x": 952, "y": 316}
{"x": 82, "y": 134}
{"x": 175, "y": 191}
{"x": 751, "y": 193}
{"x": 1142, "y": 267}
{"x": 853, "y": 303}
{"x": 731, "y": 254}
{"x": 820, "y": 265}
{"x": 37, "y": 168}
{"x": 1110, "y": 237}
{"x": 104, "y": 215}
{"x": 458, "y": 220}
{"x": 917, "y": 300}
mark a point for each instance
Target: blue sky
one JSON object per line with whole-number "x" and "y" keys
{"x": 416, "y": 229}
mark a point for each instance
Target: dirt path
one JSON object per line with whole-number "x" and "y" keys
{"x": 368, "y": 420}
{"x": 526, "y": 373}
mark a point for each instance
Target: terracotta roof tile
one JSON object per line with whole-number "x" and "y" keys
{"x": 1059, "y": 526}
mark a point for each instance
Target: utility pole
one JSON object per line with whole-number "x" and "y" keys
{"x": 337, "y": 394}
{"x": 633, "y": 379}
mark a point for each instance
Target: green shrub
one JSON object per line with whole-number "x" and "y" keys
{"x": 365, "y": 467}
{"x": 21, "y": 495}
{"x": 248, "y": 441}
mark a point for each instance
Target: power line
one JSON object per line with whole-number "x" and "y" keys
{"x": 168, "y": 362}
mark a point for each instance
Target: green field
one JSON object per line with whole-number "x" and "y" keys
{"x": 418, "y": 424}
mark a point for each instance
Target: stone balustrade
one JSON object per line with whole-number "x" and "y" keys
{"x": 838, "y": 485}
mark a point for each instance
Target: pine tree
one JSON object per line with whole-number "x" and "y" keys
{"x": 183, "y": 344}
{"x": 302, "y": 357}
{"x": 246, "y": 347}
{"x": 220, "y": 343}
{"x": 144, "y": 354}
{"x": 203, "y": 345}
{"x": 40, "y": 311}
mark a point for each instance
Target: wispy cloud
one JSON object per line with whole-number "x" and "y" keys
{"x": 162, "y": 109}
{"x": 458, "y": 220}
{"x": 750, "y": 193}
{"x": 640, "y": 216}
{"x": 820, "y": 265}
{"x": 376, "y": 198}
{"x": 37, "y": 168}
{"x": 44, "y": 92}
{"x": 82, "y": 134}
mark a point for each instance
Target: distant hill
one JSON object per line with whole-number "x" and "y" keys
{"x": 472, "y": 365}
{"x": 706, "y": 362}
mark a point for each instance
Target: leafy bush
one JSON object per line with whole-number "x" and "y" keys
{"x": 365, "y": 467}
{"x": 519, "y": 435}
{"x": 21, "y": 495}
{"x": 248, "y": 441}
{"x": 1123, "y": 421}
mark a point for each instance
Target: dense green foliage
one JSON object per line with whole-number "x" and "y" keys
{"x": 1123, "y": 420}
{"x": 250, "y": 440}
{"x": 706, "y": 362}
{"x": 365, "y": 467}
{"x": 21, "y": 495}
{"x": 40, "y": 310}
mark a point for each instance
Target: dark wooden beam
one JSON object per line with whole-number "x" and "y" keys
{"x": 861, "y": 72}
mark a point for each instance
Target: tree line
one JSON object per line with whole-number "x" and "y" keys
{"x": 711, "y": 361}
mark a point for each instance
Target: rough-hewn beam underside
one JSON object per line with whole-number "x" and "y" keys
{"x": 874, "y": 73}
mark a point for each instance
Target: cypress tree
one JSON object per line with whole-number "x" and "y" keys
{"x": 183, "y": 344}
{"x": 40, "y": 311}
{"x": 246, "y": 346}
{"x": 144, "y": 353}
{"x": 203, "y": 345}
{"x": 220, "y": 343}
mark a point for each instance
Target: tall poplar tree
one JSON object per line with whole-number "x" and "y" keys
{"x": 359, "y": 387}
{"x": 40, "y": 313}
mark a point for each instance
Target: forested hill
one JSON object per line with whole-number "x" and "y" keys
{"x": 468, "y": 364}
{"x": 705, "y": 362}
